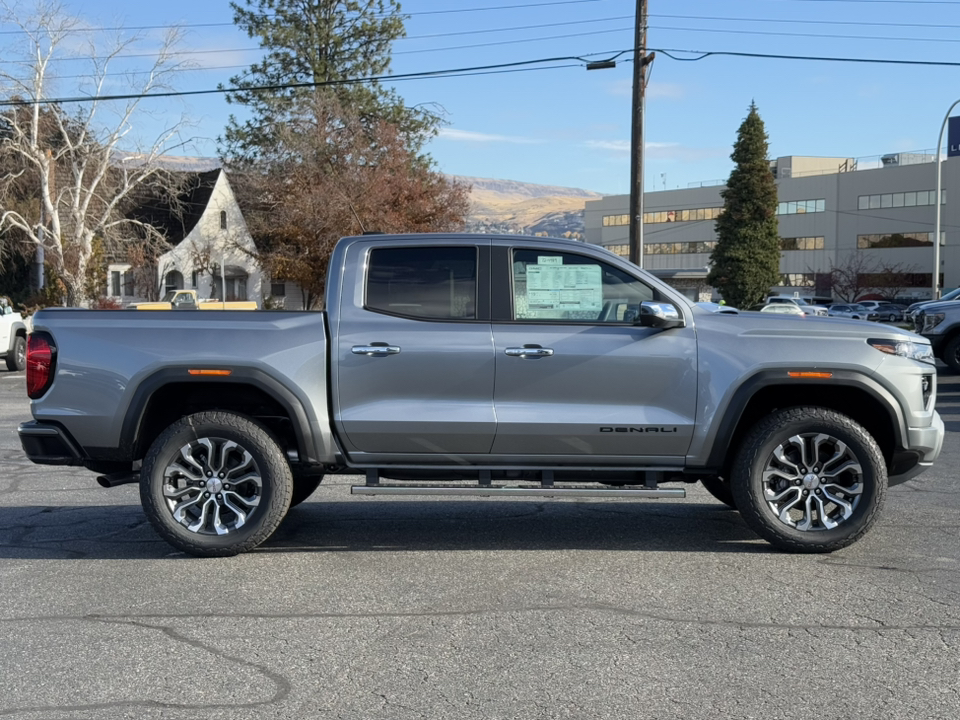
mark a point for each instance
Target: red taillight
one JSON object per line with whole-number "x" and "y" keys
{"x": 39, "y": 365}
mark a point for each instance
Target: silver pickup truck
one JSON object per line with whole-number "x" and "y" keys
{"x": 484, "y": 365}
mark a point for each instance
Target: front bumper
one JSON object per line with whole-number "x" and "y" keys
{"x": 925, "y": 446}
{"x": 48, "y": 444}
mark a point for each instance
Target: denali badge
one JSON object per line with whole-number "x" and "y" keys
{"x": 646, "y": 429}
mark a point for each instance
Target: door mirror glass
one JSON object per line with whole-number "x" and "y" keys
{"x": 661, "y": 315}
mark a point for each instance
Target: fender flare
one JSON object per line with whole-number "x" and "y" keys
{"x": 133, "y": 419}
{"x": 733, "y": 412}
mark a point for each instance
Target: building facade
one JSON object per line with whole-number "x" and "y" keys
{"x": 830, "y": 215}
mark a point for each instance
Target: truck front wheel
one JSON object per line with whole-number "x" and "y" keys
{"x": 215, "y": 484}
{"x": 809, "y": 479}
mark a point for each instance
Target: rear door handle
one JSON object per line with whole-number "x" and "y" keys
{"x": 529, "y": 351}
{"x": 374, "y": 350}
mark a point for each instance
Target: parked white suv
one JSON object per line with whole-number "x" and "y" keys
{"x": 808, "y": 308}
{"x": 13, "y": 337}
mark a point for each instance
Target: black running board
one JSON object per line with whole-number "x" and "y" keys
{"x": 518, "y": 491}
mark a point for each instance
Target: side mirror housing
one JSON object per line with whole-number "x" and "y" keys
{"x": 662, "y": 315}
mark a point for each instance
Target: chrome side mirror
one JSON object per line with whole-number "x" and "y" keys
{"x": 661, "y": 315}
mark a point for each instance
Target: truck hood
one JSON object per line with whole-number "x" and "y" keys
{"x": 797, "y": 327}
{"x": 939, "y": 306}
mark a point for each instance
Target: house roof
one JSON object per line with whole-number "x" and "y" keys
{"x": 176, "y": 216}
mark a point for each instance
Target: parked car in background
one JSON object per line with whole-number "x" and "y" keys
{"x": 912, "y": 309}
{"x": 782, "y": 309}
{"x": 854, "y": 311}
{"x": 808, "y": 308}
{"x": 885, "y": 309}
{"x": 940, "y": 324}
{"x": 13, "y": 337}
{"x": 718, "y": 308}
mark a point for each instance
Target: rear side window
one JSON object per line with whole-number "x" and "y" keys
{"x": 435, "y": 283}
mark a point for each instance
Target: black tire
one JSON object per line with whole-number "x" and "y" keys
{"x": 861, "y": 488}
{"x": 951, "y": 354}
{"x": 17, "y": 359}
{"x": 181, "y": 461}
{"x": 303, "y": 487}
{"x": 720, "y": 489}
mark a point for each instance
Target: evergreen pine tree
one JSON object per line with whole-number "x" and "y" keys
{"x": 318, "y": 41}
{"x": 746, "y": 261}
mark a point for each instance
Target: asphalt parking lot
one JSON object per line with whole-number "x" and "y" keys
{"x": 364, "y": 607}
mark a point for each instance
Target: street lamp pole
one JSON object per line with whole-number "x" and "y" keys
{"x": 935, "y": 287}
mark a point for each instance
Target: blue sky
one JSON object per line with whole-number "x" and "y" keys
{"x": 566, "y": 126}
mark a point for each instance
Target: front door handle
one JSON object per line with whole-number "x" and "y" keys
{"x": 529, "y": 351}
{"x": 374, "y": 350}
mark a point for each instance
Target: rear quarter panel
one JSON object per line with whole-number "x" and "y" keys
{"x": 103, "y": 357}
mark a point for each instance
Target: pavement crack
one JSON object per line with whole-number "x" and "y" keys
{"x": 282, "y": 684}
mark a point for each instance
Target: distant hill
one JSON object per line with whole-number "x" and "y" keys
{"x": 508, "y": 206}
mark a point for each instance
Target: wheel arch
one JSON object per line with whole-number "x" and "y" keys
{"x": 852, "y": 394}
{"x": 169, "y": 394}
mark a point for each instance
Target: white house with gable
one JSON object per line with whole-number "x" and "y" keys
{"x": 213, "y": 251}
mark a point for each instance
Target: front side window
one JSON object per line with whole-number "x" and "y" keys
{"x": 435, "y": 283}
{"x": 564, "y": 287}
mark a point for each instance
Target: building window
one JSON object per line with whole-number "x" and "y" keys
{"x": 801, "y": 243}
{"x": 800, "y": 207}
{"x": 897, "y": 240}
{"x": 901, "y": 199}
{"x": 194, "y": 277}
{"x": 278, "y": 289}
{"x": 120, "y": 281}
{"x": 679, "y": 248}
{"x": 621, "y": 250}
{"x": 615, "y": 220}
{"x": 223, "y": 219}
{"x": 798, "y": 279}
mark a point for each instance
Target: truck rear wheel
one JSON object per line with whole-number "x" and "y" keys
{"x": 808, "y": 479}
{"x": 215, "y": 484}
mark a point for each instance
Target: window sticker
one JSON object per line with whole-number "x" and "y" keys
{"x": 564, "y": 291}
{"x": 549, "y": 260}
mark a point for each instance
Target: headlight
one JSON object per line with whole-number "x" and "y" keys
{"x": 931, "y": 321}
{"x": 904, "y": 348}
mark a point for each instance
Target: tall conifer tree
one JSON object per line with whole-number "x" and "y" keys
{"x": 746, "y": 261}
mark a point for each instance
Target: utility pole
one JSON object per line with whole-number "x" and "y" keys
{"x": 640, "y": 62}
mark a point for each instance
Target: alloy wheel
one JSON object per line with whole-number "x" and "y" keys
{"x": 212, "y": 486}
{"x": 812, "y": 482}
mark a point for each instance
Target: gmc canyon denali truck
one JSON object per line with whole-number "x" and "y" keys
{"x": 484, "y": 365}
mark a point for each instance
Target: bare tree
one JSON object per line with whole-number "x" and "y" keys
{"x": 86, "y": 167}
{"x": 858, "y": 274}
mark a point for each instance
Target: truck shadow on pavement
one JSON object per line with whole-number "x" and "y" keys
{"x": 122, "y": 531}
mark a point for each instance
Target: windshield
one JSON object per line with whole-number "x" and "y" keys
{"x": 169, "y": 296}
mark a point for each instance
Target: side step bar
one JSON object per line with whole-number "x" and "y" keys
{"x": 528, "y": 491}
{"x": 486, "y": 488}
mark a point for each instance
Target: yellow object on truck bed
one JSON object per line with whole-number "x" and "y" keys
{"x": 187, "y": 300}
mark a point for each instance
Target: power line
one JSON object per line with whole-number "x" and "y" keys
{"x": 401, "y": 52}
{"x": 797, "y": 21}
{"x": 806, "y": 35}
{"x": 401, "y": 14}
{"x": 704, "y": 54}
{"x": 452, "y": 72}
